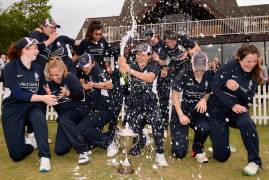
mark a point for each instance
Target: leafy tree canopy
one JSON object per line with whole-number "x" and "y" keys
{"x": 20, "y": 19}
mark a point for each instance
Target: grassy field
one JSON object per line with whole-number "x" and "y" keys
{"x": 66, "y": 167}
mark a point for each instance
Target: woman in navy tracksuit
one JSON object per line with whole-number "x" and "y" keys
{"x": 97, "y": 85}
{"x": 194, "y": 86}
{"x": 53, "y": 45}
{"x": 142, "y": 101}
{"x": 175, "y": 59}
{"x": 233, "y": 87}
{"x": 26, "y": 102}
{"x": 69, "y": 92}
{"x": 94, "y": 44}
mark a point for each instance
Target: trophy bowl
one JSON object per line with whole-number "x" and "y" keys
{"x": 126, "y": 137}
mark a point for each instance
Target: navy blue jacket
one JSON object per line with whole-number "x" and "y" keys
{"x": 193, "y": 91}
{"x": 72, "y": 83}
{"x": 94, "y": 98}
{"x": 223, "y": 97}
{"x": 141, "y": 92}
{"x": 99, "y": 50}
{"x": 58, "y": 48}
{"x": 22, "y": 83}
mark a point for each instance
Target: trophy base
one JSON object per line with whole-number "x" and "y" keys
{"x": 125, "y": 170}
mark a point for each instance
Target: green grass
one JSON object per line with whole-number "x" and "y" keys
{"x": 188, "y": 168}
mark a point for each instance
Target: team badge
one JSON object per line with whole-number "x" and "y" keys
{"x": 206, "y": 84}
{"x": 36, "y": 77}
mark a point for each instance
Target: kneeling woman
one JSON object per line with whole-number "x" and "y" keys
{"x": 26, "y": 102}
{"x": 70, "y": 110}
{"x": 233, "y": 87}
{"x": 97, "y": 85}
{"x": 193, "y": 85}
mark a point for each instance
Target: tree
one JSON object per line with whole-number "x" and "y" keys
{"x": 20, "y": 19}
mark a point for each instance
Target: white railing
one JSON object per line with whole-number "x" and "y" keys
{"x": 259, "y": 113}
{"x": 212, "y": 27}
{"x": 260, "y": 106}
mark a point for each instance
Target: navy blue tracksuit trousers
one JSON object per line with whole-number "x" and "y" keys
{"x": 68, "y": 134}
{"x": 219, "y": 135}
{"x": 91, "y": 128}
{"x": 136, "y": 116}
{"x": 179, "y": 134}
{"x": 163, "y": 94}
{"x": 14, "y": 132}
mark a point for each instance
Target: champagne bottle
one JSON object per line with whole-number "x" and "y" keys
{"x": 124, "y": 79}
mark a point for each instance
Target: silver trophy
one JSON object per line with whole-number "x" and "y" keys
{"x": 126, "y": 137}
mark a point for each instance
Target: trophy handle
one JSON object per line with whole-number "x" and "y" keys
{"x": 137, "y": 135}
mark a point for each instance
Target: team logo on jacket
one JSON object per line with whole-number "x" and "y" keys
{"x": 36, "y": 77}
{"x": 206, "y": 84}
{"x": 250, "y": 84}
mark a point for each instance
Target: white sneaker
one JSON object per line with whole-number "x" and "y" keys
{"x": 113, "y": 148}
{"x": 146, "y": 132}
{"x": 30, "y": 139}
{"x": 160, "y": 160}
{"x": 44, "y": 164}
{"x": 84, "y": 158}
{"x": 251, "y": 169}
{"x": 201, "y": 158}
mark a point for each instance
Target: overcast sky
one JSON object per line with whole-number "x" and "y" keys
{"x": 71, "y": 14}
{"x": 251, "y": 2}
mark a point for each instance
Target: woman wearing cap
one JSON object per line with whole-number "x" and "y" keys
{"x": 233, "y": 87}
{"x": 54, "y": 45}
{"x": 142, "y": 101}
{"x": 46, "y": 35}
{"x": 94, "y": 44}
{"x": 69, "y": 92}
{"x": 26, "y": 102}
{"x": 193, "y": 87}
{"x": 175, "y": 59}
{"x": 97, "y": 86}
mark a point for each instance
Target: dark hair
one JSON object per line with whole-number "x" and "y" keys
{"x": 13, "y": 52}
{"x": 245, "y": 50}
{"x": 169, "y": 34}
{"x": 94, "y": 25}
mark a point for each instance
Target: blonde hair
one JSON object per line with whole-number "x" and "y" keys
{"x": 55, "y": 62}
